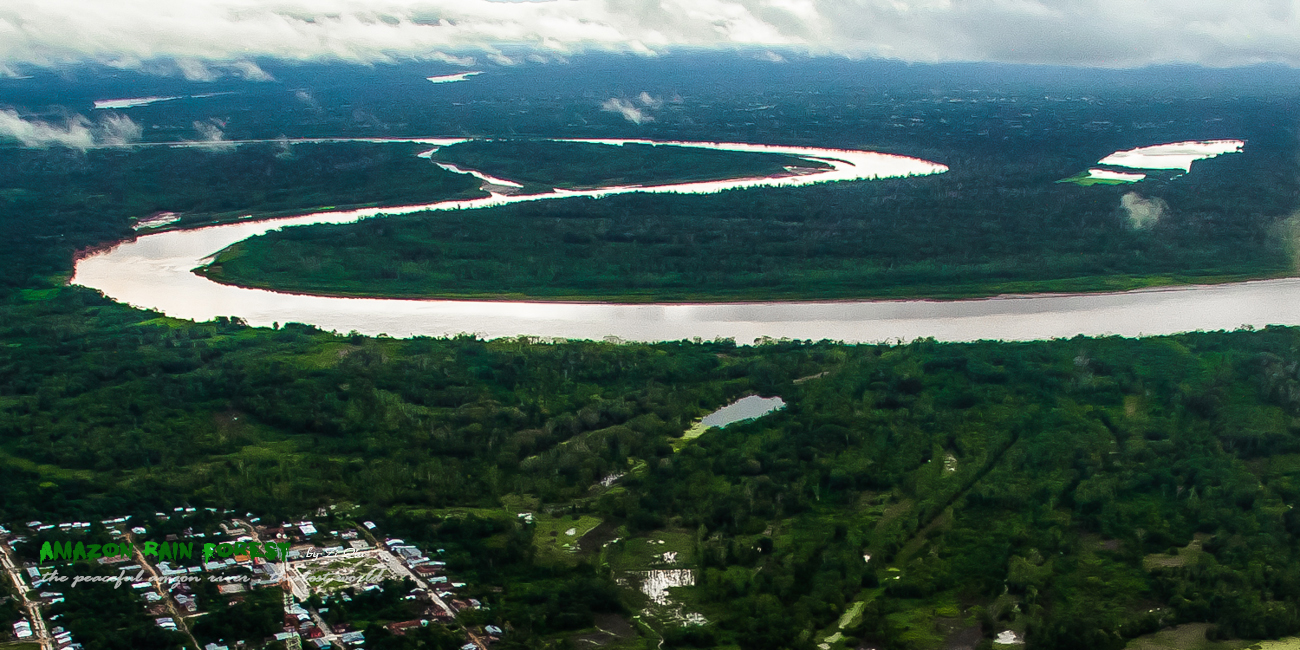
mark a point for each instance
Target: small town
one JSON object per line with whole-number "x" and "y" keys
{"x": 317, "y": 569}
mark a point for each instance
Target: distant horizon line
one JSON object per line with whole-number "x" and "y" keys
{"x": 231, "y": 68}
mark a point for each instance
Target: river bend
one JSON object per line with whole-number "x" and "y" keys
{"x": 154, "y": 272}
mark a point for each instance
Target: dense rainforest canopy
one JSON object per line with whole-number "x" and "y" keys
{"x": 1081, "y": 492}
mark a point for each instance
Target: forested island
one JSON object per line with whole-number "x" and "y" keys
{"x": 980, "y": 229}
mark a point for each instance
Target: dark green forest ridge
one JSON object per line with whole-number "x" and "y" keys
{"x": 1080, "y": 493}
{"x": 999, "y": 224}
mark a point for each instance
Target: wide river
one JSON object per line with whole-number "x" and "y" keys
{"x": 155, "y": 272}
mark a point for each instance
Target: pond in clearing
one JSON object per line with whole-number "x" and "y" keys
{"x": 746, "y": 408}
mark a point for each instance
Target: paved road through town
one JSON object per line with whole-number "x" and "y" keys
{"x": 158, "y": 586}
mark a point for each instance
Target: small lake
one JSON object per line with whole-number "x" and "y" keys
{"x": 746, "y": 408}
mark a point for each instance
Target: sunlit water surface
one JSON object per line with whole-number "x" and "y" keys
{"x": 745, "y": 408}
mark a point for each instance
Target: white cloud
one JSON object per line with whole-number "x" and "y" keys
{"x": 250, "y": 71}
{"x": 303, "y": 95}
{"x": 629, "y": 110}
{"x": 210, "y": 38}
{"x": 118, "y": 129}
{"x": 284, "y": 148}
{"x": 213, "y": 137}
{"x": 7, "y": 72}
{"x": 197, "y": 70}
{"x": 1143, "y": 213}
{"x": 501, "y": 59}
{"x": 463, "y": 61}
{"x": 75, "y": 132}
{"x": 648, "y": 101}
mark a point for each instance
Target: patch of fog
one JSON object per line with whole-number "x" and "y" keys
{"x": 450, "y": 78}
{"x": 627, "y": 109}
{"x": 1107, "y": 175}
{"x": 284, "y": 148}
{"x": 1142, "y": 212}
{"x": 76, "y": 132}
{"x": 648, "y": 101}
{"x": 491, "y": 180}
{"x": 133, "y": 101}
{"x": 747, "y": 408}
{"x": 1175, "y": 155}
{"x": 656, "y": 582}
{"x": 214, "y": 137}
{"x": 7, "y": 72}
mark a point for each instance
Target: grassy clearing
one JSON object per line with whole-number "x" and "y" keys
{"x": 916, "y": 626}
{"x": 557, "y": 538}
{"x": 1185, "y": 556}
{"x": 1085, "y": 179}
{"x": 644, "y": 553}
{"x": 835, "y": 633}
{"x": 520, "y": 503}
{"x": 47, "y": 472}
{"x": 1289, "y": 643}
{"x": 166, "y": 321}
{"x": 1192, "y": 637}
{"x": 697, "y": 429}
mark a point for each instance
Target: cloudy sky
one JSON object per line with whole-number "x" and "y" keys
{"x": 205, "y": 38}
